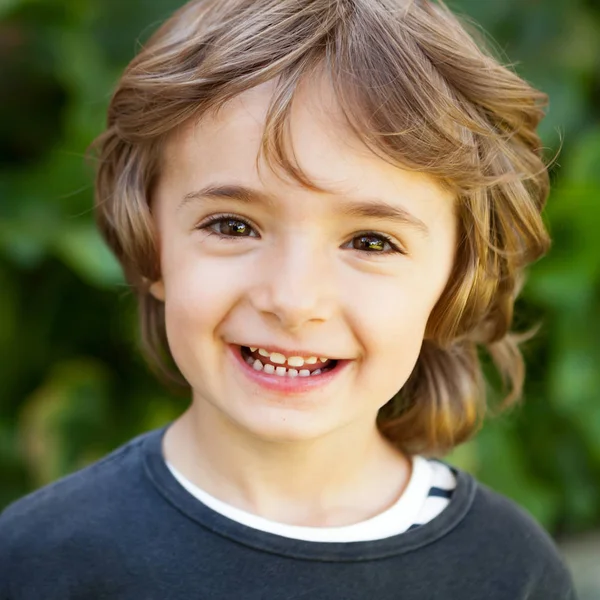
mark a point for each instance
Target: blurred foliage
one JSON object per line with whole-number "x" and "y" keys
{"x": 72, "y": 383}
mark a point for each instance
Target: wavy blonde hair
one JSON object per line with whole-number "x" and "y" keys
{"x": 417, "y": 89}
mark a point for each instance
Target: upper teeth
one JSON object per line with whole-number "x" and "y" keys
{"x": 292, "y": 361}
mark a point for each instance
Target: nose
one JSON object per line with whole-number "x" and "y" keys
{"x": 296, "y": 285}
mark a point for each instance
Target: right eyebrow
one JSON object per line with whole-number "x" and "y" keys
{"x": 238, "y": 193}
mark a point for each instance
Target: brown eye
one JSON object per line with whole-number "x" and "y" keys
{"x": 370, "y": 243}
{"x": 231, "y": 227}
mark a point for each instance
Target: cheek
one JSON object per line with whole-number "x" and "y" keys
{"x": 392, "y": 325}
{"x": 395, "y": 309}
{"x": 199, "y": 295}
{"x": 397, "y": 329}
{"x": 197, "y": 287}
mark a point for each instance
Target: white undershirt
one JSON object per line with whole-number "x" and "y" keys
{"x": 414, "y": 507}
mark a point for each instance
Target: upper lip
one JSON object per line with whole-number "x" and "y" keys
{"x": 288, "y": 353}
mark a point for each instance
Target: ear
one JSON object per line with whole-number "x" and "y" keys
{"x": 157, "y": 289}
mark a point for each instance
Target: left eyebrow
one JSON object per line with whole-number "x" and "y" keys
{"x": 380, "y": 209}
{"x": 364, "y": 209}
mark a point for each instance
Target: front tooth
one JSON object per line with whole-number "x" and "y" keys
{"x": 281, "y": 371}
{"x": 323, "y": 359}
{"x": 257, "y": 365}
{"x": 269, "y": 369}
{"x": 277, "y": 358}
{"x": 292, "y": 373}
{"x": 264, "y": 353}
{"x": 311, "y": 361}
{"x": 304, "y": 373}
{"x": 295, "y": 361}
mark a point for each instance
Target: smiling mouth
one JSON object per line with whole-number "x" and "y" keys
{"x": 279, "y": 365}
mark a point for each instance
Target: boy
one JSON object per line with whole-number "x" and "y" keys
{"x": 325, "y": 207}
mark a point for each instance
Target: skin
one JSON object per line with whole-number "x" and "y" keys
{"x": 294, "y": 279}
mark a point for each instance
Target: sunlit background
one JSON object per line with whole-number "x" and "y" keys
{"x": 72, "y": 384}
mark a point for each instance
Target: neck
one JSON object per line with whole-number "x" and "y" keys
{"x": 338, "y": 479}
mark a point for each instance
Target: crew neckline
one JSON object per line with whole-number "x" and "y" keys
{"x": 168, "y": 486}
{"x": 402, "y": 514}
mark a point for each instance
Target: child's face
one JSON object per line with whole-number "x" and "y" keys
{"x": 292, "y": 269}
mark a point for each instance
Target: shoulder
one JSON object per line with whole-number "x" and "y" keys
{"x": 497, "y": 531}
{"x": 507, "y": 521}
{"x": 84, "y": 501}
{"x": 76, "y": 488}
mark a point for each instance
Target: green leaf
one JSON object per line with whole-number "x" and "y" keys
{"x": 8, "y": 5}
{"x": 82, "y": 249}
{"x": 63, "y": 417}
{"x": 501, "y": 466}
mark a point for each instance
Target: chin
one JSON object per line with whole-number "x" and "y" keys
{"x": 282, "y": 426}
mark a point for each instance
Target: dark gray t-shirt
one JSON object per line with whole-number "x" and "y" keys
{"x": 124, "y": 528}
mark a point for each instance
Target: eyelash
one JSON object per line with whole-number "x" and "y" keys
{"x": 395, "y": 249}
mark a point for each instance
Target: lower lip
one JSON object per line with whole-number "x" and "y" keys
{"x": 286, "y": 384}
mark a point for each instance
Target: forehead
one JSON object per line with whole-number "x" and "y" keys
{"x": 234, "y": 132}
{"x": 225, "y": 146}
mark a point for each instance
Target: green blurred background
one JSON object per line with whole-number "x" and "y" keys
{"x": 72, "y": 384}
